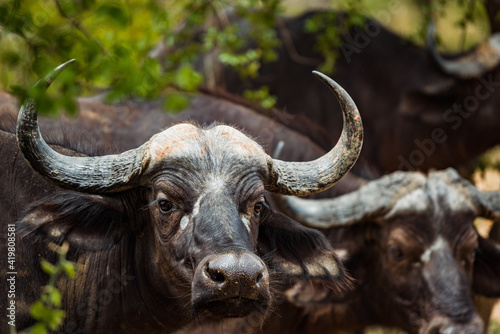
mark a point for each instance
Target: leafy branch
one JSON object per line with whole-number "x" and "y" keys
{"x": 47, "y": 309}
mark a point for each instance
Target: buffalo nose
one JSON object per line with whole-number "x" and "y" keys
{"x": 231, "y": 285}
{"x": 245, "y": 270}
{"x": 443, "y": 325}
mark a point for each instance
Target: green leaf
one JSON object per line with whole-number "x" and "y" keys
{"x": 39, "y": 311}
{"x": 48, "y": 267}
{"x": 55, "y": 319}
{"x": 115, "y": 13}
{"x": 261, "y": 96}
{"x": 38, "y": 328}
{"x": 54, "y": 296}
{"x": 176, "y": 102}
{"x": 187, "y": 78}
{"x": 69, "y": 269}
{"x": 49, "y": 317}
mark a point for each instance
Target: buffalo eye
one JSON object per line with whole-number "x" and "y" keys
{"x": 470, "y": 257}
{"x": 396, "y": 253}
{"x": 165, "y": 206}
{"x": 258, "y": 207}
{"x": 473, "y": 254}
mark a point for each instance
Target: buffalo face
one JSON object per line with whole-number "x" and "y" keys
{"x": 409, "y": 240}
{"x": 205, "y": 230}
{"x": 429, "y": 269}
{"x": 216, "y": 238}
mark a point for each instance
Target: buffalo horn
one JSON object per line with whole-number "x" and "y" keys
{"x": 487, "y": 203}
{"x": 304, "y": 178}
{"x": 97, "y": 174}
{"x": 375, "y": 199}
{"x": 484, "y": 58}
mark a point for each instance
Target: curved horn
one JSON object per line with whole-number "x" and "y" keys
{"x": 304, "y": 178}
{"x": 372, "y": 200}
{"x": 483, "y": 59}
{"x": 89, "y": 174}
{"x": 487, "y": 203}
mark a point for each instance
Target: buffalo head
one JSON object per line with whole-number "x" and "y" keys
{"x": 417, "y": 256}
{"x": 190, "y": 204}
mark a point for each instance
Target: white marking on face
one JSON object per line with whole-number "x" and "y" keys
{"x": 196, "y": 207}
{"x": 246, "y": 221}
{"x": 439, "y": 244}
{"x": 184, "y": 222}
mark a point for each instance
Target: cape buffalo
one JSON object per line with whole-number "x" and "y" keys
{"x": 409, "y": 241}
{"x": 174, "y": 230}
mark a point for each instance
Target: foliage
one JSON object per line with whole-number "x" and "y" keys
{"x": 467, "y": 13}
{"x": 47, "y": 309}
{"x": 261, "y": 95}
{"x": 494, "y": 328}
{"x": 213, "y": 33}
{"x": 114, "y": 43}
{"x": 489, "y": 160}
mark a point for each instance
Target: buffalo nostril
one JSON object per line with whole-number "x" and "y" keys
{"x": 216, "y": 276}
{"x": 215, "y": 272}
{"x": 221, "y": 269}
{"x": 259, "y": 277}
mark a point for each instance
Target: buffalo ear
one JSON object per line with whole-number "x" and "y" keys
{"x": 297, "y": 252}
{"x": 486, "y": 280}
{"x": 87, "y": 222}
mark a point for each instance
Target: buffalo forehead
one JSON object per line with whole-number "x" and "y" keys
{"x": 174, "y": 140}
{"x": 437, "y": 208}
{"x": 189, "y": 141}
{"x": 435, "y": 199}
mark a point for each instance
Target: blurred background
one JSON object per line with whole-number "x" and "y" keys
{"x": 112, "y": 40}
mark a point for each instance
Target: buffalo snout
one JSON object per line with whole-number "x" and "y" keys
{"x": 231, "y": 285}
{"x": 444, "y": 325}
